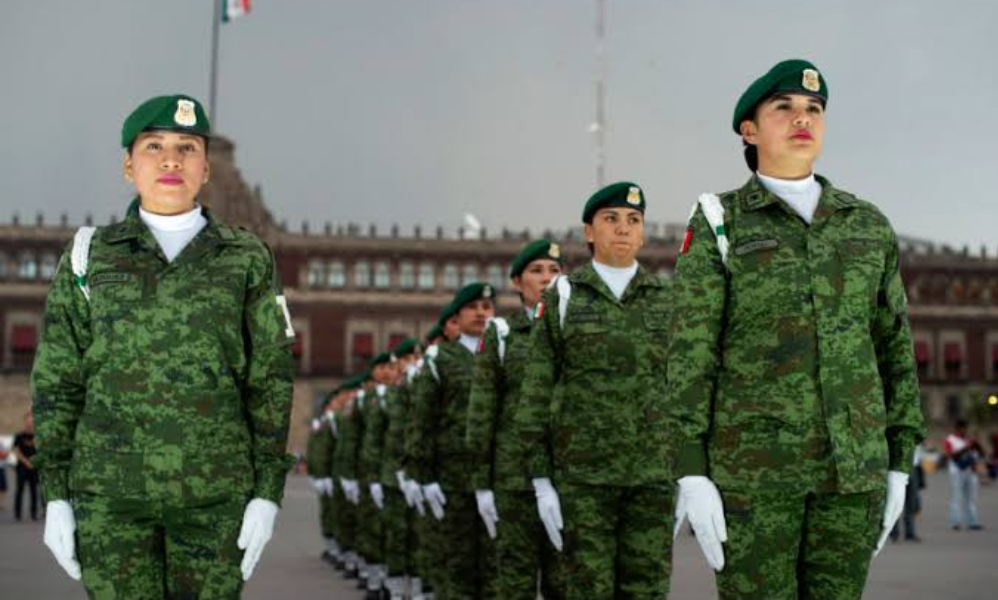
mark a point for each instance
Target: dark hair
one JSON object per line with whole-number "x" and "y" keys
{"x": 961, "y": 423}
{"x": 131, "y": 146}
{"x": 751, "y": 153}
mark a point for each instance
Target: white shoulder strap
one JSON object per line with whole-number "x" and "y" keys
{"x": 713, "y": 211}
{"x": 502, "y": 331}
{"x": 564, "y": 294}
{"x": 80, "y": 257}
{"x": 332, "y": 425}
{"x": 431, "y": 361}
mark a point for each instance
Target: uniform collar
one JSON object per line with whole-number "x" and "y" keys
{"x": 587, "y": 275}
{"x": 518, "y": 320}
{"x": 754, "y": 196}
{"x": 132, "y": 228}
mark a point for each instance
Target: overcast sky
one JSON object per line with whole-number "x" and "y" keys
{"x": 418, "y": 111}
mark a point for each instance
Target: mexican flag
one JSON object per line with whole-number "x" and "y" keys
{"x": 233, "y": 9}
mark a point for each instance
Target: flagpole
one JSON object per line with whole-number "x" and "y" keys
{"x": 213, "y": 90}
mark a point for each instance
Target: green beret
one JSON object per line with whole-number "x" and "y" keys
{"x": 793, "y": 76}
{"x": 383, "y": 358}
{"x": 448, "y": 312}
{"x": 470, "y": 293}
{"x": 436, "y": 331}
{"x": 622, "y": 194}
{"x": 352, "y": 383}
{"x": 405, "y": 347}
{"x": 536, "y": 250}
{"x": 179, "y": 113}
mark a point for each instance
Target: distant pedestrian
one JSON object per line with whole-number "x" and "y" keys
{"x": 912, "y": 500}
{"x": 963, "y": 453}
{"x": 3, "y": 478}
{"x": 27, "y": 476}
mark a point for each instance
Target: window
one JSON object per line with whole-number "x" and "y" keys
{"x": 315, "y": 275}
{"x": 407, "y": 275}
{"x": 994, "y": 361}
{"x": 27, "y": 268}
{"x": 362, "y": 350}
{"x": 361, "y": 274}
{"x": 382, "y": 274}
{"x": 24, "y": 338}
{"x": 469, "y": 274}
{"x": 495, "y": 276}
{"x": 336, "y": 274}
{"x": 48, "y": 266}
{"x": 923, "y": 358}
{"x": 3, "y": 265}
{"x": 395, "y": 339}
{"x": 952, "y": 359}
{"x": 426, "y": 276}
{"x": 450, "y": 276}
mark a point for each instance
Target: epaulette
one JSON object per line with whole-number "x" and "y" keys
{"x": 431, "y": 361}
{"x": 80, "y": 258}
{"x": 502, "y": 331}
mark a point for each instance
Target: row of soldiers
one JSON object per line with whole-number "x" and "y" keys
{"x": 767, "y": 393}
{"x": 406, "y": 471}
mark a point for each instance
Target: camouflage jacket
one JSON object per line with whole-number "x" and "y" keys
{"x": 175, "y": 379}
{"x": 375, "y": 431}
{"x": 593, "y": 399}
{"x": 319, "y": 450}
{"x": 438, "y": 452}
{"x": 495, "y": 394}
{"x": 399, "y": 406}
{"x": 349, "y": 444}
{"x": 793, "y": 363}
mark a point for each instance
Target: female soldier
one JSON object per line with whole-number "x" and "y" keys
{"x": 163, "y": 382}
{"x": 791, "y": 367}
{"x": 592, "y": 411}
{"x": 521, "y": 547}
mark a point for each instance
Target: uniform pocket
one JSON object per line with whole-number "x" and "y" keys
{"x": 104, "y": 472}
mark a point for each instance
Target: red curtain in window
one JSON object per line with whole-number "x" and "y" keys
{"x": 952, "y": 354}
{"x": 395, "y": 339}
{"x": 363, "y": 345}
{"x": 922, "y": 354}
{"x": 24, "y": 338}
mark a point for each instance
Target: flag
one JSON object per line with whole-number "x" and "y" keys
{"x": 233, "y": 9}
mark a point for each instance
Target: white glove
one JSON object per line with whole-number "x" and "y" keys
{"x": 378, "y": 495}
{"x": 436, "y": 499}
{"x": 327, "y": 484}
{"x": 897, "y": 484}
{"x": 322, "y": 485}
{"x": 258, "y": 527}
{"x": 60, "y": 527}
{"x": 549, "y": 509}
{"x": 414, "y": 492}
{"x": 700, "y": 502}
{"x": 351, "y": 490}
{"x": 487, "y": 509}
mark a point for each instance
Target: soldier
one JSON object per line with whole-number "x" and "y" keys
{"x": 162, "y": 386}
{"x": 791, "y": 367}
{"x": 441, "y": 461}
{"x": 345, "y": 468}
{"x": 522, "y": 548}
{"x": 399, "y": 522}
{"x": 318, "y": 459}
{"x": 372, "y": 524}
{"x": 592, "y": 416}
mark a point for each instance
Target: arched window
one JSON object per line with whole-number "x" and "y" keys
{"x": 496, "y": 277}
{"x": 336, "y": 274}
{"x": 361, "y": 273}
{"x": 450, "y": 276}
{"x": 469, "y": 274}
{"x": 27, "y": 268}
{"x": 316, "y": 273}
{"x": 382, "y": 274}
{"x": 427, "y": 276}
{"x": 407, "y": 275}
{"x": 49, "y": 262}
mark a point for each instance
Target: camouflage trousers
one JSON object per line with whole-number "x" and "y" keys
{"x": 149, "y": 550}
{"x": 807, "y": 546}
{"x": 326, "y": 521}
{"x": 469, "y": 554}
{"x": 430, "y": 553}
{"x": 370, "y": 530}
{"x": 618, "y": 541}
{"x": 523, "y": 550}
{"x": 399, "y": 535}
{"x": 344, "y": 521}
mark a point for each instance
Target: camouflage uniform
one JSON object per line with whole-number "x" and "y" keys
{"x": 319, "y": 459}
{"x": 522, "y": 546}
{"x": 792, "y": 375}
{"x": 399, "y": 533}
{"x": 442, "y": 457}
{"x": 593, "y": 419}
{"x": 371, "y": 525}
{"x": 163, "y": 405}
{"x": 350, "y": 427}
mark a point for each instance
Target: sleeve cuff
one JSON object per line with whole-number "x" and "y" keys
{"x": 691, "y": 459}
{"x": 270, "y": 480}
{"x": 901, "y": 452}
{"x": 55, "y": 483}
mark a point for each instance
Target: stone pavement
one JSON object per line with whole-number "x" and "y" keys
{"x": 950, "y": 565}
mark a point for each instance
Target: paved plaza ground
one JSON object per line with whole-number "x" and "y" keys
{"x": 947, "y": 565}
